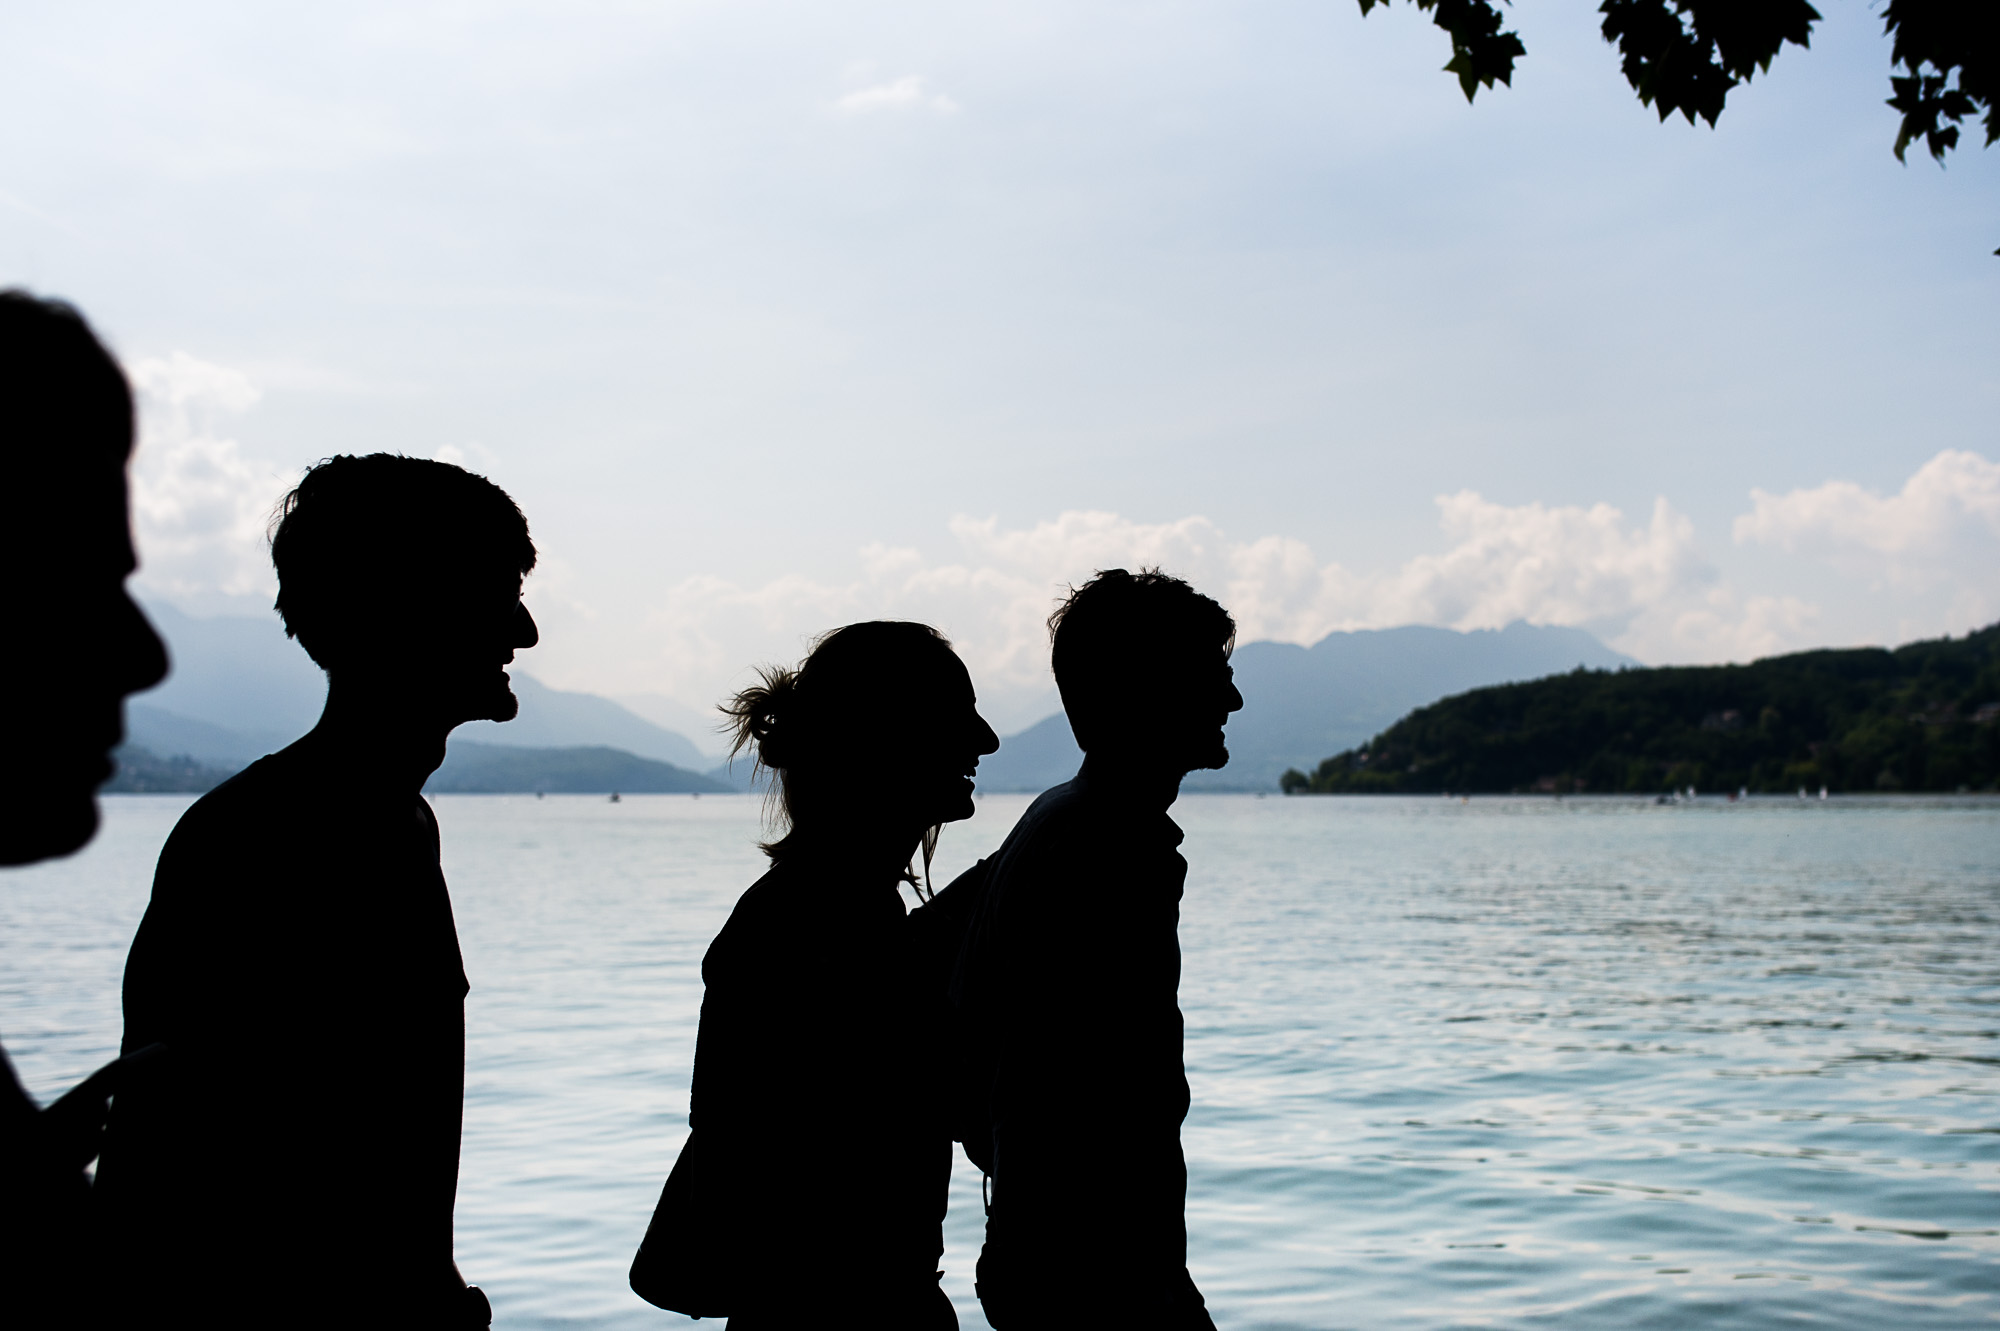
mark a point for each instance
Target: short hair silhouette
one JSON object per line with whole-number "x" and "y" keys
{"x": 808, "y": 726}
{"x": 1115, "y": 630}
{"x": 362, "y": 538}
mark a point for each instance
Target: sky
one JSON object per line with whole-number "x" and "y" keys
{"x": 777, "y": 315}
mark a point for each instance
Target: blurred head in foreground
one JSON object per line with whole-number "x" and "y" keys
{"x": 401, "y": 577}
{"x": 1142, "y": 661}
{"x": 878, "y": 728}
{"x": 75, "y": 643}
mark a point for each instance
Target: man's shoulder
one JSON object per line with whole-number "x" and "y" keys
{"x": 250, "y": 795}
{"x": 262, "y": 816}
{"x": 1056, "y": 842}
{"x": 1076, "y": 839}
{"x": 1057, "y": 811}
{"x": 1065, "y": 821}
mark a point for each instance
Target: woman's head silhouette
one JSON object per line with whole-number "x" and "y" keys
{"x": 876, "y": 732}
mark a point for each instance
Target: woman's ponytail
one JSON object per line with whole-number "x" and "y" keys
{"x": 762, "y": 718}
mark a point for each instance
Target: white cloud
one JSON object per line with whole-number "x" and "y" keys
{"x": 1719, "y": 625}
{"x": 181, "y": 382}
{"x": 1561, "y": 565}
{"x": 1935, "y": 543}
{"x": 199, "y": 505}
{"x": 1646, "y": 585}
{"x": 1951, "y": 500}
{"x": 904, "y": 94}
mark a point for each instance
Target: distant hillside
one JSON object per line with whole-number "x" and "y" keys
{"x": 143, "y": 772}
{"x": 703, "y": 726}
{"x": 554, "y": 718}
{"x": 1043, "y": 755}
{"x": 491, "y": 769}
{"x": 236, "y": 671}
{"x": 1925, "y": 717}
{"x": 1302, "y": 703}
{"x": 160, "y": 731}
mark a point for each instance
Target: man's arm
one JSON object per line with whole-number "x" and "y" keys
{"x": 67, "y": 1135}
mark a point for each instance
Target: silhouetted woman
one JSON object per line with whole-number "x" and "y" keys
{"x": 820, "y": 1154}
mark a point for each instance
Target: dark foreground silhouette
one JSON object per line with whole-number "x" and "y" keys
{"x": 75, "y": 645}
{"x": 1072, "y": 1089}
{"x": 296, "y": 1162}
{"x": 818, "y": 1106}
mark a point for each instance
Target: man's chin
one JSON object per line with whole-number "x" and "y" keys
{"x": 41, "y": 826}
{"x": 1212, "y": 759}
{"x": 497, "y": 703}
{"x": 501, "y": 704}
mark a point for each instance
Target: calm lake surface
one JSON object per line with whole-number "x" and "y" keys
{"x": 1506, "y": 1063}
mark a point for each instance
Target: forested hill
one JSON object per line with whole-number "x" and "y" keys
{"x": 1925, "y": 717}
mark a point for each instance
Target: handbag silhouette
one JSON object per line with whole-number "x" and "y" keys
{"x": 689, "y": 1261}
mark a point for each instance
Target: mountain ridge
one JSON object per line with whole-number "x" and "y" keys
{"x": 1922, "y": 717}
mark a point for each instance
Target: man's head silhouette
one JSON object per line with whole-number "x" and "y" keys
{"x": 76, "y": 644}
{"x": 1142, "y": 660}
{"x": 402, "y": 578}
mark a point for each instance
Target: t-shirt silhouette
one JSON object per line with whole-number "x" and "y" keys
{"x": 297, "y": 1161}
{"x": 816, "y": 1098}
{"x": 1067, "y": 996}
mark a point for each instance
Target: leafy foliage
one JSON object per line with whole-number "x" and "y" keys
{"x": 1925, "y": 717}
{"x": 1935, "y": 39}
{"x": 1480, "y": 52}
{"x": 1686, "y": 55}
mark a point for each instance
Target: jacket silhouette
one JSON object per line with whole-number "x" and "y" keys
{"x": 1067, "y": 988}
{"x": 812, "y": 1097}
{"x": 1065, "y": 995}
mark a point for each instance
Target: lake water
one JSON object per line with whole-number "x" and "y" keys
{"x": 1506, "y": 1063}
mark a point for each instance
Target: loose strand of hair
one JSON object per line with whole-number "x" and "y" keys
{"x": 927, "y": 848}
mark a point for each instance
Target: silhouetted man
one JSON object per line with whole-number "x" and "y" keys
{"x": 74, "y": 646}
{"x": 1068, "y": 983}
{"x": 297, "y": 1164}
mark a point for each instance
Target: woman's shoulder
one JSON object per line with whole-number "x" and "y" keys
{"x": 768, "y": 913}
{"x": 773, "y": 899}
{"x": 798, "y": 912}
